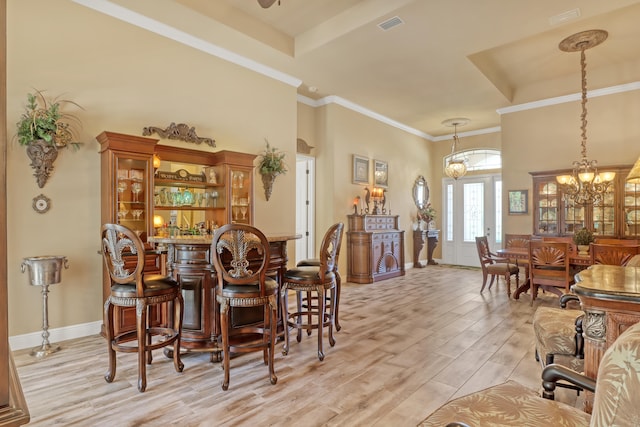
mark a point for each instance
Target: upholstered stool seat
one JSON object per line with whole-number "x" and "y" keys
{"x": 308, "y": 275}
{"x": 313, "y": 282}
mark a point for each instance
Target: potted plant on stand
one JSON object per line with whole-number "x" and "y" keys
{"x": 583, "y": 238}
{"x": 270, "y": 165}
{"x": 44, "y": 129}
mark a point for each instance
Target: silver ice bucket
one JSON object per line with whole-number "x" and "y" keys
{"x": 44, "y": 270}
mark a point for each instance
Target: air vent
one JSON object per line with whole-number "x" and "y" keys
{"x": 390, "y": 23}
{"x": 564, "y": 17}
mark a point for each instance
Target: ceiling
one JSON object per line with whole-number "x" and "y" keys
{"x": 447, "y": 58}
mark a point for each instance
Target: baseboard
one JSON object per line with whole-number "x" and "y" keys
{"x": 408, "y": 265}
{"x": 34, "y": 339}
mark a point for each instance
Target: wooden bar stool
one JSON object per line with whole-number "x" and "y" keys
{"x": 309, "y": 279}
{"x": 315, "y": 262}
{"x": 241, "y": 284}
{"x": 131, "y": 288}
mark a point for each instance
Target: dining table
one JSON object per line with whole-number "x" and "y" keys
{"x": 521, "y": 255}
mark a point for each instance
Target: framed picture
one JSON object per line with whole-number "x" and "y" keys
{"x": 360, "y": 170}
{"x": 518, "y": 202}
{"x": 380, "y": 173}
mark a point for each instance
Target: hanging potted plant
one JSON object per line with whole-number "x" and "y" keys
{"x": 270, "y": 165}
{"x": 44, "y": 129}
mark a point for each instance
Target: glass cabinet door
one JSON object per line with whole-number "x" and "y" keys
{"x": 241, "y": 208}
{"x": 604, "y": 218}
{"x": 546, "y": 208}
{"x": 132, "y": 189}
{"x": 574, "y": 217}
{"x": 631, "y": 210}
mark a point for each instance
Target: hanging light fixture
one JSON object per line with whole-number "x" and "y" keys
{"x": 456, "y": 167}
{"x": 585, "y": 185}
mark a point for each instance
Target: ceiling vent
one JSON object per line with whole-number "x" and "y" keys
{"x": 564, "y": 17}
{"x": 390, "y": 23}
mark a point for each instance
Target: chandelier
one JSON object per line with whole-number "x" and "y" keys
{"x": 585, "y": 185}
{"x": 456, "y": 168}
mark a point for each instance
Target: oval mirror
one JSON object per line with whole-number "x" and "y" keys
{"x": 420, "y": 192}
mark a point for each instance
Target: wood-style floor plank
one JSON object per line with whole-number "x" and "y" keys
{"x": 407, "y": 345}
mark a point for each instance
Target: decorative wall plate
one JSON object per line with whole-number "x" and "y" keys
{"x": 41, "y": 203}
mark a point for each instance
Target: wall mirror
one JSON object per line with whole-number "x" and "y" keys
{"x": 420, "y": 192}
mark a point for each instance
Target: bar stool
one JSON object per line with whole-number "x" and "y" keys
{"x": 315, "y": 262}
{"x": 243, "y": 285}
{"x": 131, "y": 288}
{"x": 309, "y": 279}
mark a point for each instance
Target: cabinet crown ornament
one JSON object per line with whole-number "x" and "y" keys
{"x": 181, "y": 131}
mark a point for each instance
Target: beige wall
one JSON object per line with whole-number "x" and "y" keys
{"x": 125, "y": 78}
{"x": 339, "y": 134}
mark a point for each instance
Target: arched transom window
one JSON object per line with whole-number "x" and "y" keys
{"x": 478, "y": 159}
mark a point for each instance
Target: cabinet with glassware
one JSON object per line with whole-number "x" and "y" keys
{"x": 163, "y": 190}
{"x": 126, "y": 186}
{"x": 195, "y": 192}
{"x": 616, "y": 214}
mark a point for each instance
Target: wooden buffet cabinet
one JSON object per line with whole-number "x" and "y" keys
{"x": 375, "y": 248}
{"x": 190, "y": 190}
{"x": 617, "y": 215}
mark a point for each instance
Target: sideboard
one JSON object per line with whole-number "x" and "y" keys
{"x": 375, "y": 248}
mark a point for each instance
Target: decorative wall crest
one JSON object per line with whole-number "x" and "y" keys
{"x": 181, "y": 131}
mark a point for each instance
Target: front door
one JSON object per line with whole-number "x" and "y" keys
{"x": 472, "y": 207}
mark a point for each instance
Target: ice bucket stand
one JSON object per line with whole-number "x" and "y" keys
{"x": 44, "y": 271}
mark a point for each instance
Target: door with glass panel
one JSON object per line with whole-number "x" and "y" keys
{"x": 472, "y": 207}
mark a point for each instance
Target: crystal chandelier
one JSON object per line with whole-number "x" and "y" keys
{"x": 585, "y": 185}
{"x": 456, "y": 168}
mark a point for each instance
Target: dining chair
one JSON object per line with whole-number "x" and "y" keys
{"x": 495, "y": 266}
{"x": 549, "y": 267}
{"x": 241, "y": 284}
{"x": 616, "y": 396}
{"x": 518, "y": 242}
{"x": 612, "y": 254}
{"x": 306, "y": 280}
{"x": 131, "y": 288}
{"x": 634, "y": 261}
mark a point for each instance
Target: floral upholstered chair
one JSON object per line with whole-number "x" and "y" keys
{"x": 511, "y": 404}
{"x": 558, "y": 335}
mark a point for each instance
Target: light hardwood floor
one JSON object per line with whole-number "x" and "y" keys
{"x": 407, "y": 345}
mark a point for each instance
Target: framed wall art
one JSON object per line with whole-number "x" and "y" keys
{"x": 518, "y": 202}
{"x": 360, "y": 170}
{"x": 381, "y": 173}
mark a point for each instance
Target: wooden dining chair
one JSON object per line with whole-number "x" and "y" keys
{"x": 495, "y": 266}
{"x": 549, "y": 267}
{"x": 518, "y": 242}
{"x": 612, "y": 254}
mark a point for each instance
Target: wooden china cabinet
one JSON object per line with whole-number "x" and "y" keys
{"x": 126, "y": 186}
{"x": 189, "y": 191}
{"x": 617, "y": 215}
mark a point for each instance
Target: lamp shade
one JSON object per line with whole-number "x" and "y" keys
{"x": 455, "y": 169}
{"x": 634, "y": 175}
